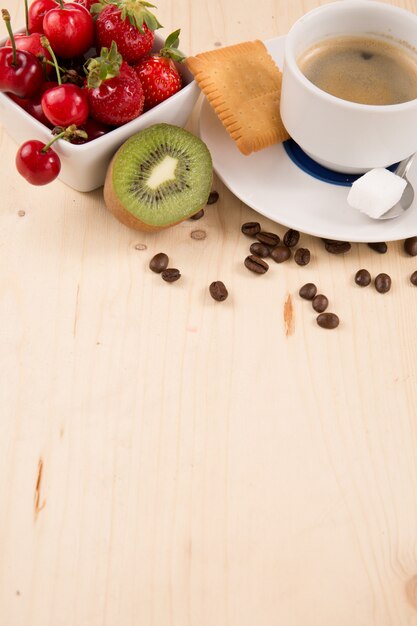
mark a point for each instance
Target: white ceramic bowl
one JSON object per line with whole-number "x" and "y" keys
{"x": 83, "y": 167}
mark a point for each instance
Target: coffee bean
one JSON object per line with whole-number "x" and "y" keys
{"x": 308, "y": 291}
{"x": 302, "y": 256}
{"x": 380, "y": 247}
{"x": 410, "y": 246}
{"x": 327, "y": 320}
{"x": 269, "y": 239}
{"x": 260, "y": 249}
{"x": 363, "y": 278}
{"x": 382, "y": 283}
{"x": 291, "y": 238}
{"x": 250, "y": 228}
{"x": 320, "y": 303}
{"x": 171, "y": 274}
{"x": 280, "y": 254}
{"x": 213, "y": 197}
{"x": 413, "y": 279}
{"x": 256, "y": 264}
{"x": 159, "y": 262}
{"x": 218, "y": 291}
{"x": 336, "y": 247}
{"x": 198, "y": 215}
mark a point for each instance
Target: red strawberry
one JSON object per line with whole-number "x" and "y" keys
{"x": 158, "y": 73}
{"x": 127, "y": 22}
{"x": 114, "y": 93}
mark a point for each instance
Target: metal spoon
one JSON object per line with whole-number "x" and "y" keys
{"x": 408, "y": 194}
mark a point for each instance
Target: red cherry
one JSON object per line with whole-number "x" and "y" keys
{"x": 94, "y": 129}
{"x": 34, "y": 105}
{"x": 64, "y": 105}
{"x": 31, "y": 43}
{"x": 22, "y": 102}
{"x": 20, "y": 73}
{"x": 70, "y": 29}
{"x": 38, "y": 165}
{"x": 36, "y": 13}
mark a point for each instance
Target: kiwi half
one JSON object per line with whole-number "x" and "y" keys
{"x": 159, "y": 177}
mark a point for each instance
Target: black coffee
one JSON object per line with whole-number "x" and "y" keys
{"x": 362, "y": 69}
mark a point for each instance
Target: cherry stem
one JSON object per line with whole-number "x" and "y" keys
{"x": 49, "y": 144}
{"x": 26, "y": 17}
{"x": 6, "y": 16}
{"x": 45, "y": 43}
{"x": 61, "y": 3}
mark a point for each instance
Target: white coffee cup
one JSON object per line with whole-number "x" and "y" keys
{"x": 347, "y": 136}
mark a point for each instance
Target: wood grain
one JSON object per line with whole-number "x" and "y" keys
{"x": 169, "y": 460}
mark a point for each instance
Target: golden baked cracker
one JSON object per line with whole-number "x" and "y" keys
{"x": 243, "y": 85}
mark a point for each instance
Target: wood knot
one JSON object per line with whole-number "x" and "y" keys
{"x": 198, "y": 234}
{"x": 289, "y": 321}
{"x": 411, "y": 591}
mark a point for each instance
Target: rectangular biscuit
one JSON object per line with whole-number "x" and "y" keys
{"x": 243, "y": 85}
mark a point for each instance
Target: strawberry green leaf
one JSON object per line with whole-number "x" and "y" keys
{"x": 104, "y": 67}
{"x": 170, "y": 49}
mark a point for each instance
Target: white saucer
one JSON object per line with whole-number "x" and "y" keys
{"x": 269, "y": 182}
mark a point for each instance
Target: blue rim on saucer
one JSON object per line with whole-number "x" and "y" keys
{"x": 308, "y": 165}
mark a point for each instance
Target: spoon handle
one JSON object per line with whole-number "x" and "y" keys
{"x": 404, "y": 165}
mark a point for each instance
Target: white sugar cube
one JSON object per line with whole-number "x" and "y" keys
{"x": 376, "y": 192}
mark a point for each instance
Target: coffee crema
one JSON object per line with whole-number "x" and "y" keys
{"x": 361, "y": 69}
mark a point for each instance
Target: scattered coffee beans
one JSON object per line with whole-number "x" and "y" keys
{"x": 250, "y": 228}
{"x": 260, "y": 249}
{"x": 320, "y": 303}
{"x": 328, "y": 320}
{"x": 213, "y": 197}
{"x": 413, "y": 279}
{"x": 256, "y": 264}
{"x": 198, "y": 215}
{"x": 280, "y": 254}
{"x": 336, "y": 247}
{"x": 308, "y": 291}
{"x": 269, "y": 239}
{"x": 302, "y": 256}
{"x": 410, "y": 246}
{"x": 170, "y": 274}
{"x": 218, "y": 291}
{"x": 380, "y": 247}
{"x": 363, "y": 278}
{"x": 382, "y": 283}
{"x": 291, "y": 238}
{"x": 159, "y": 262}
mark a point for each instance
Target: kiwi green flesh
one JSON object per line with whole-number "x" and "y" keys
{"x": 162, "y": 175}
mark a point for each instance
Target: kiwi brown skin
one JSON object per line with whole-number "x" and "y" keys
{"x": 126, "y": 217}
{"x": 118, "y": 210}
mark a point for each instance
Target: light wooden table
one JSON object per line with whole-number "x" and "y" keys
{"x": 166, "y": 460}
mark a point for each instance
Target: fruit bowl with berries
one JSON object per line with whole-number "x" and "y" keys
{"x": 80, "y": 79}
